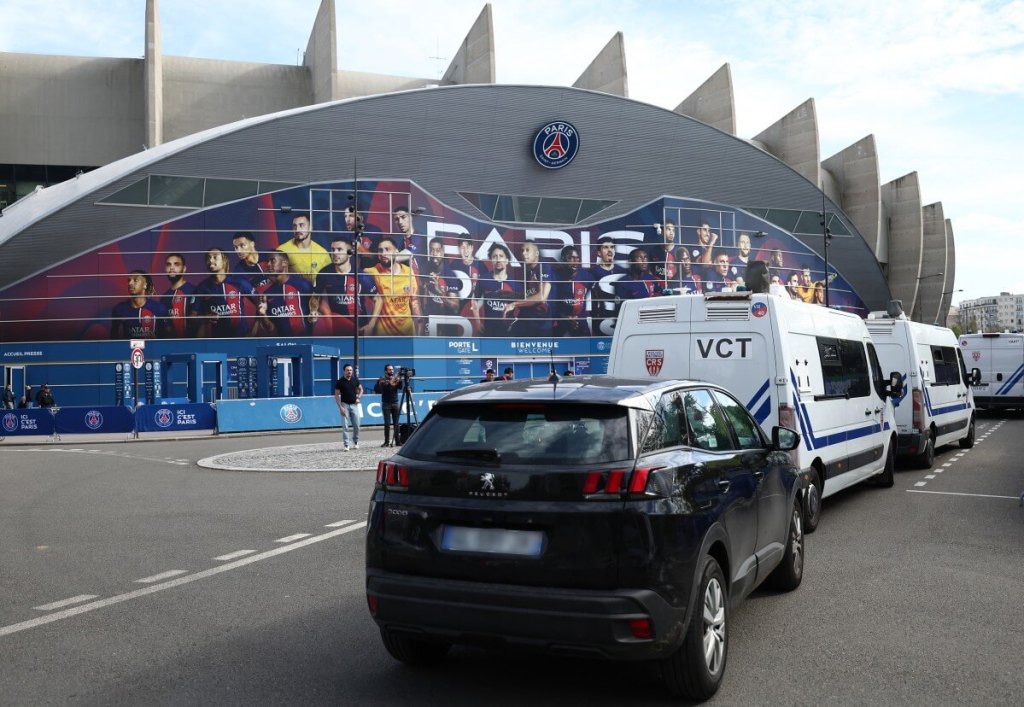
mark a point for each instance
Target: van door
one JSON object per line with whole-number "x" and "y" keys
{"x": 945, "y": 396}
{"x": 1008, "y": 368}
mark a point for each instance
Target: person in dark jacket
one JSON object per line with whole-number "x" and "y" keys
{"x": 45, "y": 397}
{"x": 27, "y": 399}
{"x": 388, "y": 387}
{"x": 8, "y": 399}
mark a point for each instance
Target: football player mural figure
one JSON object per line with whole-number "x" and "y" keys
{"x": 336, "y": 295}
{"x": 284, "y": 303}
{"x": 396, "y": 305}
{"x": 219, "y": 300}
{"x": 530, "y": 315}
{"x": 569, "y": 298}
{"x": 495, "y": 292}
{"x": 638, "y": 282}
{"x": 180, "y": 299}
{"x": 141, "y": 316}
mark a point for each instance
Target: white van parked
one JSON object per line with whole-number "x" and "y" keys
{"x": 793, "y": 364}
{"x": 937, "y": 405}
{"x": 1000, "y": 360}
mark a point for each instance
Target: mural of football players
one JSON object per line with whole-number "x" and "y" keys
{"x": 248, "y": 264}
{"x": 333, "y": 305}
{"x": 688, "y": 282}
{"x": 661, "y": 257}
{"x": 494, "y": 292}
{"x": 440, "y": 287}
{"x": 638, "y": 282}
{"x": 605, "y": 272}
{"x": 531, "y": 316}
{"x": 219, "y": 299}
{"x": 468, "y": 269}
{"x": 569, "y": 296}
{"x": 410, "y": 245}
{"x": 719, "y": 278}
{"x": 284, "y": 303}
{"x": 141, "y": 316}
{"x": 396, "y": 306}
{"x": 364, "y": 235}
{"x": 702, "y": 250}
{"x": 306, "y": 255}
{"x": 742, "y": 258}
{"x": 180, "y": 299}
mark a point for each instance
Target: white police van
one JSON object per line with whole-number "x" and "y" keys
{"x": 793, "y": 364}
{"x": 937, "y": 405}
{"x": 1000, "y": 360}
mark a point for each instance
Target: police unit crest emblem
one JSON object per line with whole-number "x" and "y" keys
{"x": 655, "y": 359}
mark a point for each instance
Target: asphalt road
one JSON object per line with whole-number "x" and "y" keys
{"x": 130, "y": 575}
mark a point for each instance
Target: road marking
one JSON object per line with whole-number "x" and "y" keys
{"x": 234, "y": 555}
{"x": 158, "y": 577}
{"x": 929, "y": 476}
{"x": 65, "y": 602}
{"x": 974, "y": 495}
{"x": 293, "y": 538}
{"x": 921, "y": 483}
{"x": 84, "y": 608}
{"x": 948, "y": 464}
{"x": 339, "y": 523}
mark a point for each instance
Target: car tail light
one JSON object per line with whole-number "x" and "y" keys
{"x": 641, "y": 628}
{"x": 918, "y": 402}
{"x": 393, "y": 476}
{"x": 615, "y": 483}
{"x": 371, "y": 601}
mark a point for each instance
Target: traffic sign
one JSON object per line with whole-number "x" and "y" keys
{"x": 138, "y": 343}
{"x": 138, "y": 358}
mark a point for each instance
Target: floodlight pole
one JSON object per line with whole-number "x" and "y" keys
{"x": 827, "y": 236}
{"x": 357, "y": 233}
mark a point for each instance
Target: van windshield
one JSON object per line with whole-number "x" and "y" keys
{"x": 523, "y": 433}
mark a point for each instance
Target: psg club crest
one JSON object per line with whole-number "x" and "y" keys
{"x": 291, "y": 413}
{"x": 94, "y": 419}
{"x": 556, "y": 144}
{"x": 163, "y": 418}
{"x": 759, "y": 309}
{"x": 655, "y": 359}
{"x": 10, "y": 422}
{"x": 976, "y": 355}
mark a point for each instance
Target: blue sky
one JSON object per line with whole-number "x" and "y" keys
{"x": 940, "y": 83}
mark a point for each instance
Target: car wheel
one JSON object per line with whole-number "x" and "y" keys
{"x": 790, "y": 572}
{"x": 812, "y": 502}
{"x": 888, "y": 476}
{"x": 926, "y": 459}
{"x": 413, "y": 651}
{"x": 695, "y": 670}
{"x": 968, "y": 441}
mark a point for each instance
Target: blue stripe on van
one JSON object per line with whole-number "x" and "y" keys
{"x": 906, "y": 389}
{"x": 1014, "y": 379}
{"x": 762, "y": 412}
{"x": 807, "y": 430}
{"x": 760, "y": 391}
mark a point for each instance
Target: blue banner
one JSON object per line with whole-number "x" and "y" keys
{"x": 26, "y": 421}
{"x": 305, "y": 413}
{"x": 103, "y": 419}
{"x": 175, "y": 417}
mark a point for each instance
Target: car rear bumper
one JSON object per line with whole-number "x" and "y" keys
{"x": 583, "y": 623}
{"x": 910, "y": 444}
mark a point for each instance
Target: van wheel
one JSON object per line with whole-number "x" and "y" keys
{"x": 926, "y": 458}
{"x": 790, "y": 572}
{"x": 413, "y": 651}
{"x": 695, "y": 670}
{"x": 888, "y": 476}
{"x": 968, "y": 441}
{"x": 812, "y": 502}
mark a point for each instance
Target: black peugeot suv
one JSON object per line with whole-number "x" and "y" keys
{"x": 594, "y": 517}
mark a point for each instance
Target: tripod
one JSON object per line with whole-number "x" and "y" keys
{"x": 411, "y": 419}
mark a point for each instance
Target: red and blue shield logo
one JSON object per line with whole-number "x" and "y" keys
{"x": 556, "y": 144}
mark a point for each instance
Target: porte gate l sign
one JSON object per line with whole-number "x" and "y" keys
{"x": 138, "y": 358}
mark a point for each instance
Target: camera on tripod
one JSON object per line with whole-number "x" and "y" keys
{"x": 406, "y": 372}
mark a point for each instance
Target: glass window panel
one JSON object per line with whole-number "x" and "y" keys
{"x": 175, "y": 191}
{"x": 783, "y": 218}
{"x": 504, "y": 209}
{"x": 589, "y": 207}
{"x": 526, "y": 208}
{"x": 748, "y": 434}
{"x": 558, "y": 211}
{"x": 837, "y": 227}
{"x": 707, "y": 422}
{"x": 137, "y": 193}
{"x": 219, "y": 191}
{"x": 809, "y": 222}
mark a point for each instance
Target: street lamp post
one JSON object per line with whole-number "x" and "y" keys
{"x": 357, "y": 237}
{"x": 827, "y": 236}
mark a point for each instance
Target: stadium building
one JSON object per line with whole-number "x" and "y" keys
{"x": 469, "y": 202}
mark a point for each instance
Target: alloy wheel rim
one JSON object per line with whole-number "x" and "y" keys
{"x": 796, "y": 541}
{"x": 714, "y": 627}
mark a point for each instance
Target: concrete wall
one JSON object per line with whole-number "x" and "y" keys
{"x": 154, "y": 83}
{"x": 607, "y": 72}
{"x": 204, "y": 93}
{"x": 351, "y": 84}
{"x": 474, "y": 61}
{"x": 949, "y": 284}
{"x": 901, "y": 204}
{"x": 794, "y": 140}
{"x": 321, "y": 53}
{"x": 70, "y": 110}
{"x": 933, "y": 261}
{"x": 713, "y": 103}
{"x": 856, "y": 174}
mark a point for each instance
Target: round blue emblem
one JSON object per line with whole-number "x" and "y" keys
{"x": 10, "y": 422}
{"x": 555, "y": 144}
{"x": 291, "y": 413}
{"x": 163, "y": 418}
{"x": 759, "y": 309}
{"x": 94, "y": 419}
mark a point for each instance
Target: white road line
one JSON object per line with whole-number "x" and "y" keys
{"x": 921, "y": 483}
{"x": 937, "y": 471}
{"x": 952, "y": 493}
{"x": 339, "y": 523}
{"x": 65, "y": 602}
{"x": 84, "y": 608}
{"x": 293, "y": 538}
{"x": 948, "y": 464}
{"x": 234, "y": 555}
{"x": 929, "y": 476}
{"x": 163, "y": 575}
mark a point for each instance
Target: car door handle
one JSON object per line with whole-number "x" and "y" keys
{"x": 758, "y": 475}
{"x": 878, "y": 410}
{"x": 724, "y": 485}
{"x": 868, "y": 411}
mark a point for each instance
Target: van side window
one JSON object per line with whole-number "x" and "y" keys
{"x": 708, "y": 426}
{"x": 964, "y": 375}
{"x": 668, "y": 428}
{"x": 844, "y": 368}
{"x": 746, "y": 430}
{"x": 878, "y": 379}
{"x": 947, "y": 368}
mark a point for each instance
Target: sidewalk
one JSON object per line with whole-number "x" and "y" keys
{"x": 328, "y": 456}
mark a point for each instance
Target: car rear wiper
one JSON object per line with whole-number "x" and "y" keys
{"x": 482, "y": 454}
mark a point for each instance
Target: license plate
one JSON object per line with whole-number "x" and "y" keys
{"x": 498, "y": 541}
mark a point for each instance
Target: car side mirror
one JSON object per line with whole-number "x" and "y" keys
{"x": 975, "y": 376}
{"x": 895, "y": 384}
{"x": 785, "y": 439}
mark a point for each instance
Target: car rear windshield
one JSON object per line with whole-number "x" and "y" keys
{"x": 523, "y": 433}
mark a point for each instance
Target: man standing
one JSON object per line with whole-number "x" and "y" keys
{"x": 8, "y": 399}
{"x": 181, "y": 298}
{"x": 396, "y": 306}
{"x": 45, "y": 397}
{"x": 488, "y": 376}
{"x": 388, "y": 387}
{"x": 508, "y": 374}
{"x": 284, "y": 303}
{"x": 347, "y": 393}
{"x": 307, "y": 257}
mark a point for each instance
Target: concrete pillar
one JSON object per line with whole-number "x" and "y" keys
{"x": 607, "y": 72}
{"x": 322, "y": 54}
{"x": 474, "y": 61}
{"x": 154, "y": 83}
{"x": 933, "y": 262}
{"x": 713, "y": 103}
{"x": 949, "y": 283}
{"x": 857, "y": 187}
{"x": 794, "y": 140}
{"x": 903, "y": 224}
